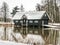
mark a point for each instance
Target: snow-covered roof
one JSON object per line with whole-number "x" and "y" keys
{"x": 29, "y": 15}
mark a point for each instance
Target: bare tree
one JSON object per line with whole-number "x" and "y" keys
{"x": 5, "y": 13}
{"x": 38, "y": 7}
{"x": 52, "y": 9}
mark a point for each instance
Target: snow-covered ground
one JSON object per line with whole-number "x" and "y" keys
{"x": 10, "y": 43}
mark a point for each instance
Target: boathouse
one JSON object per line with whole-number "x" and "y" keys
{"x": 30, "y": 19}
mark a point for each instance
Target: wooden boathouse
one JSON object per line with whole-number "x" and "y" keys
{"x": 28, "y": 22}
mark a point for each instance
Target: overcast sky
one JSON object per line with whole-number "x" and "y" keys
{"x": 27, "y": 4}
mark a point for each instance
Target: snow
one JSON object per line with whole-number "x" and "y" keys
{"x": 30, "y": 15}
{"x": 54, "y": 24}
{"x": 31, "y": 38}
{"x": 10, "y": 43}
{"x": 6, "y": 23}
{"x": 18, "y": 36}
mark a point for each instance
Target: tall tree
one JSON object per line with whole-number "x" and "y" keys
{"x": 52, "y": 10}
{"x": 15, "y": 9}
{"x": 5, "y": 13}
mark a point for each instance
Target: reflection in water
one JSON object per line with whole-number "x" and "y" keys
{"x": 49, "y": 35}
{"x": 9, "y": 30}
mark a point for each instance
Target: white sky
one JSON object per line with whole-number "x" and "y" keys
{"x": 27, "y": 4}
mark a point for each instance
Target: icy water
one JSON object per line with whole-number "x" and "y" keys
{"x": 8, "y": 32}
{"x": 50, "y": 36}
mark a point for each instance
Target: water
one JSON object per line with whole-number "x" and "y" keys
{"x": 9, "y": 30}
{"x": 50, "y": 36}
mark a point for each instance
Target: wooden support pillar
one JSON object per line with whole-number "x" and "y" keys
{"x": 42, "y": 28}
{"x": 33, "y": 26}
{"x": 22, "y": 27}
{"x": 27, "y": 30}
{"x": 39, "y": 30}
{"x": 33, "y": 29}
{"x": 23, "y": 31}
{"x": 28, "y": 26}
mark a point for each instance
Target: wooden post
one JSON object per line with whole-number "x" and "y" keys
{"x": 42, "y": 28}
{"x": 26, "y": 27}
{"x": 22, "y": 27}
{"x": 38, "y": 27}
{"x": 33, "y": 26}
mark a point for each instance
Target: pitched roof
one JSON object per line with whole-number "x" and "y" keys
{"x": 29, "y": 15}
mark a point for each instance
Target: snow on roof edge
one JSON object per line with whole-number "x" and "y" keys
{"x": 31, "y": 15}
